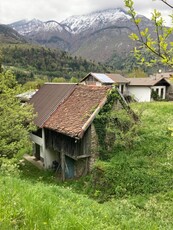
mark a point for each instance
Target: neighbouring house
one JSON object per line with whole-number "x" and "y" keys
{"x": 140, "y": 89}
{"x": 66, "y": 136}
{"x": 143, "y": 89}
{"x": 169, "y": 77}
{"x": 106, "y": 79}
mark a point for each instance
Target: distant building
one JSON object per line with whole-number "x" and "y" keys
{"x": 106, "y": 79}
{"x": 139, "y": 88}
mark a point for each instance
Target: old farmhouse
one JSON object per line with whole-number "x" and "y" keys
{"x": 66, "y": 134}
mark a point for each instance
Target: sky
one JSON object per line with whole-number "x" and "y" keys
{"x": 15, "y": 10}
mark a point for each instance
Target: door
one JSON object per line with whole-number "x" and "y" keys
{"x": 69, "y": 167}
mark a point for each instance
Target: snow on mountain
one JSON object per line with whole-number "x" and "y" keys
{"x": 78, "y": 24}
{"x": 26, "y": 27}
{"x": 73, "y": 24}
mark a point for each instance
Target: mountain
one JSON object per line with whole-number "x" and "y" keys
{"x": 9, "y": 35}
{"x": 95, "y": 36}
{"x": 51, "y": 33}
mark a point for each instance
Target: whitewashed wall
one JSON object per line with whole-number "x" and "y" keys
{"x": 141, "y": 94}
{"x": 47, "y": 154}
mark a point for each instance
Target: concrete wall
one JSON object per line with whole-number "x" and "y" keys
{"x": 141, "y": 94}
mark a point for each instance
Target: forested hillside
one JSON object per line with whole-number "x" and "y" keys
{"x": 27, "y": 61}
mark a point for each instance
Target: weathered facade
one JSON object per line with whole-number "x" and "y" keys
{"x": 66, "y": 139}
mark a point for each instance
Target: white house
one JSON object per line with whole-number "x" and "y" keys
{"x": 142, "y": 88}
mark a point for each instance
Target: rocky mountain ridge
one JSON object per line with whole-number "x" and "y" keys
{"x": 95, "y": 36}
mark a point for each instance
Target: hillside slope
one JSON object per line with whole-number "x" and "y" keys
{"x": 9, "y": 35}
{"x": 30, "y": 60}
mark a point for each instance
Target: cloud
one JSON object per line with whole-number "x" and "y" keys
{"x": 11, "y": 10}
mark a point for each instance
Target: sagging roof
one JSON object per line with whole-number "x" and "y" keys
{"x": 77, "y": 112}
{"x": 47, "y": 99}
{"x": 147, "y": 81}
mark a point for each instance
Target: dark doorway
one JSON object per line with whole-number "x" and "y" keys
{"x": 69, "y": 167}
{"x": 37, "y": 151}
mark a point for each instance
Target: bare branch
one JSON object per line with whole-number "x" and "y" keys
{"x": 165, "y": 2}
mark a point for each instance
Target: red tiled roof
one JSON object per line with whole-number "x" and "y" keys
{"x": 77, "y": 110}
{"x": 47, "y": 99}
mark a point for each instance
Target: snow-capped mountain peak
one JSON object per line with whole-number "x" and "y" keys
{"x": 78, "y": 24}
{"x": 25, "y": 27}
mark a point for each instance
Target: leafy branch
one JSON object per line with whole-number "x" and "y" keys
{"x": 159, "y": 43}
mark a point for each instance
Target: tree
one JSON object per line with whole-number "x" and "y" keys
{"x": 137, "y": 73}
{"x": 1, "y": 69}
{"x": 160, "y": 45}
{"x": 15, "y": 119}
{"x": 59, "y": 80}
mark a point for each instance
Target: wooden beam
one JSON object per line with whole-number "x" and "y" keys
{"x": 83, "y": 156}
{"x": 63, "y": 165}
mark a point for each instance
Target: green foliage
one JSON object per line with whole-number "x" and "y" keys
{"x": 15, "y": 119}
{"x": 137, "y": 73}
{"x": 142, "y": 165}
{"x": 132, "y": 62}
{"x": 28, "y": 61}
{"x": 114, "y": 125}
{"x": 59, "y": 80}
{"x": 101, "y": 121}
{"x": 160, "y": 44}
{"x": 32, "y": 200}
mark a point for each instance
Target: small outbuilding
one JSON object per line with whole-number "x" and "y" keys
{"x": 66, "y": 138}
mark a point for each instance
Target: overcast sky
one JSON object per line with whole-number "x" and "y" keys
{"x": 14, "y": 10}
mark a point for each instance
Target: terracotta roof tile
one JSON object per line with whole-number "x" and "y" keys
{"x": 70, "y": 116}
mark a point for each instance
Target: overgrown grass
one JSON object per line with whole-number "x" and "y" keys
{"x": 136, "y": 185}
{"x": 25, "y": 205}
{"x": 147, "y": 167}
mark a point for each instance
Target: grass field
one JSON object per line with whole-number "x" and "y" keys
{"x": 137, "y": 187}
